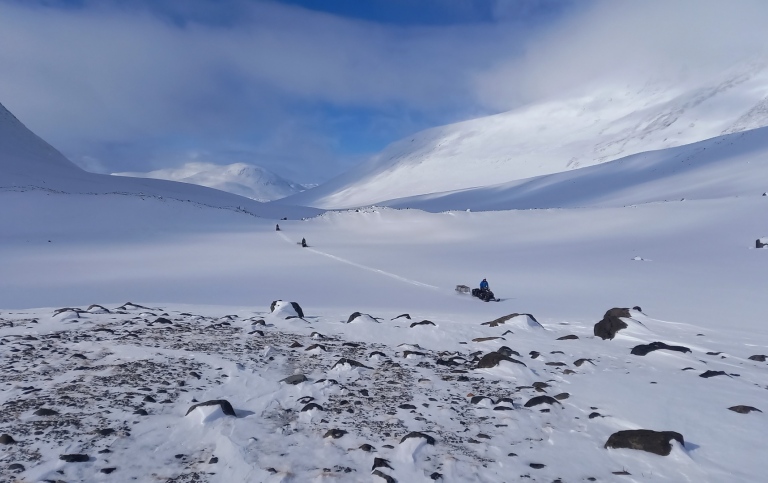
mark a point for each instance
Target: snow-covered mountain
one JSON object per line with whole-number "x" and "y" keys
{"x": 241, "y": 179}
{"x": 726, "y": 166}
{"x": 28, "y": 162}
{"x": 548, "y": 137}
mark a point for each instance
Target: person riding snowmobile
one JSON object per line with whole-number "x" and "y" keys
{"x": 484, "y": 285}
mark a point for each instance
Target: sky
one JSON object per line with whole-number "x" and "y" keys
{"x": 309, "y": 88}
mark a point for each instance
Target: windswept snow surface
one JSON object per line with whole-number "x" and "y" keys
{"x": 241, "y": 179}
{"x": 212, "y": 275}
{"x": 726, "y": 166}
{"x": 606, "y": 123}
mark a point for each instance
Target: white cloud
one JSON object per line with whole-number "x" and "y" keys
{"x": 624, "y": 41}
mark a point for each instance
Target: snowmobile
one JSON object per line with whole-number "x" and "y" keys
{"x": 484, "y": 294}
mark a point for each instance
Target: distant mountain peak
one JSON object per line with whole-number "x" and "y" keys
{"x": 243, "y": 179}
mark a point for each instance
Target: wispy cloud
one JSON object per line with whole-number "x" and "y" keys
{"x": 626, "y": 42}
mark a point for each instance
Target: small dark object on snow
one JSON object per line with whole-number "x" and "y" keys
{"x": 568, "y": 337}
{"x": 277, "y": 227}
{"x": 46, "y": 412}
{"x": 423, "y": 322}
{"x": 759, "y": 243}
{"x": 304, "y": 243}
{"x": 74, "y": 458}
{"x": 334, "y": 433}
{"x": 380, "y": 463}
{"x": 312, "y": 406}
{"x": 225, "y": 406}
{"x": 713, "y": 374}
{"x": 492, "y": 359}
{"x": 418, "y": 434}
{"x": 107, "y": 471}
{"x": 537, "y": 466}
{"x": 350, "y": 362}
{"x": 741, "y": 409}
{"x": 294, "y": 379}
{"x": 386, "y": 477}
{"x": 657, "y": 442}
{"x": 535, "y": 401}
{"x": 758, "y": 358}
{"x": 407, "y": 316}
{"x": 643, "y": 349}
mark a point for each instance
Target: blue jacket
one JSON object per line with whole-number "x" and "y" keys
{"x": 484, "y": 284}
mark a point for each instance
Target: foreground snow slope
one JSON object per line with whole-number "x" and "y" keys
{"x": 241, "y": 179}
{"x": 690, "y": 266}
{"x": 29, "y": 163}
{"x": 729, "y": 165}
{"x": 604, "y": 124}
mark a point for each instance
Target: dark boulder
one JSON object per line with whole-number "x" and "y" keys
{"x": 407, "y": 316}
{"x": 643, "y": 349}
{"x": 709, "y": 374}
{"x": 741, "y": 409}
{"x": 423, "y": 322}
{"x": 492, "y": 359}
{"x": 353, "y": 316}
{"x": 758, "y": 358}
{"x": 225, "y": 406}
{"x": 380, "y": 463}
{"x": 74, "y": 458}
{"x": 656, "y": 442}
{"x": 7, "y": 439}
{"x": 294, "y": 379}
{"x": 501, "y": 320}
{"x": 611, "y": 323}
{"x": 535, "y": 401}
{"x": 46, "y": 412}
{"x": 418, "y": 434}
{"x": 568, "y": 337}
{"x": 312, "y": 406}
{"x": 350, "y": 362}
{"x": 384, "y": 476}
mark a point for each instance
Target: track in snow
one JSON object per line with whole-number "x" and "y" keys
{"x": 364, "y": 267}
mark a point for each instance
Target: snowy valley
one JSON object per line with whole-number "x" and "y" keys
{"x": 125, "y": 303}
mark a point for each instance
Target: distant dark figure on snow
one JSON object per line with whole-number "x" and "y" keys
{"x": 277, "y": 227}
{"x": 304, "y": 242}
{"x": 484, "y": 285}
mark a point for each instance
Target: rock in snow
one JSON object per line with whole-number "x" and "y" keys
{"x": 657, "y": 442}
{"x": 611, "y": 323}
{"x": 643, "y": 349}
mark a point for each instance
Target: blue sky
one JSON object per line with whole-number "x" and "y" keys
{"x": 308, "y": 88}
